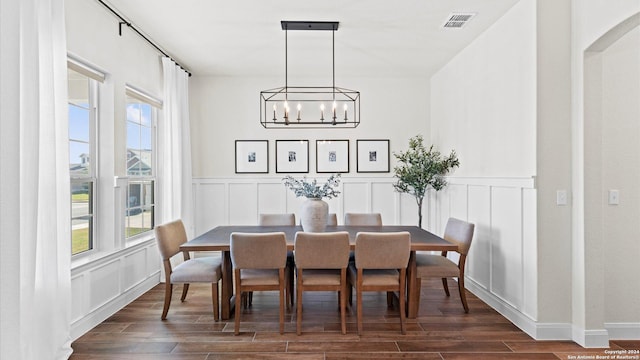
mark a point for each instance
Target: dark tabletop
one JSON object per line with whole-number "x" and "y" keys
{"x": 217, "y": 239}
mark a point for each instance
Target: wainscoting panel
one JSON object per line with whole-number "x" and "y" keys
{"x": 272, "y": 198}
{"x": 108, "y": 276}
{"x": 79, "y": 305}
{"x": 243, "y": 203}
{"x": 102, "y": 287}
{"x": 209, "y": 213}
{"x": 383, "y": 201}
{"x": 479, "y": 260}
{"x": 502, "y": 263}
{"x": 356, "y": 197}
{"x": 507, "y": 265}
{"x": 135, "y": 268}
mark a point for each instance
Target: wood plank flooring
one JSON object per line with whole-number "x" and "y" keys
{"x": 441, "y": 331}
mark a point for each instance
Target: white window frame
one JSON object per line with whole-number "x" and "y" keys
{"x": 94, "y": 80}
{"x": 155, "y": 105}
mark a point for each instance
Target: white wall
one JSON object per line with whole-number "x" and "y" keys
{"x": 116, "y": 272}
{"x": 612, "y": 134}
{"x": 483, "y": 101}
{"x": 593, "y": 23}
{"x": 484, "y": 107}
{"x": 225, "y": 109}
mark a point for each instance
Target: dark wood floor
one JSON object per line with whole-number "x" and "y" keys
{"x": 442, "y": 331}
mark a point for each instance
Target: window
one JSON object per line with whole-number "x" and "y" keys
{"x": 82, "y": 159}
{"x": 140, "y": 206}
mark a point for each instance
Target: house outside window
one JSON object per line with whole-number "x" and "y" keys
{"x": 82, "y": 110}
{"x": 141, "y": 133}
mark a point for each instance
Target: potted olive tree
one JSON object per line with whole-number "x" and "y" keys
{"x": 420, "y": 169}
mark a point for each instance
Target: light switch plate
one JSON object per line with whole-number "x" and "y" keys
{"x": 561, "y": 197}
{"x": 614, "y": 197}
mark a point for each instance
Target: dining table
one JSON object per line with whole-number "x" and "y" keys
{"x": 218, "y": 239}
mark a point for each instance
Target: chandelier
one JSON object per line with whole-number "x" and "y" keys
{"x": 309, "y": 106}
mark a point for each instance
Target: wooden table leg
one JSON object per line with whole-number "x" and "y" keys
{"x": 226, "y": 296}
{"x": 413, "y": 288}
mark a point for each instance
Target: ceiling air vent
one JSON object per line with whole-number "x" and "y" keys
{"x": 457, "y": 20}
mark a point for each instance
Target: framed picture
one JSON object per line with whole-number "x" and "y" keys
{"x": 373, "y": 156}
{"x": 332, "y": 156}
{"x": 252, "y": 156}
{"x": 292, "y": 156}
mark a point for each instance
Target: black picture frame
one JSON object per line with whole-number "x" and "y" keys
{"x": 252, "y": 156}
{"x": 332, "y": 156}
{"x": 292, "y": 156}
{"x": 372, "y": 156}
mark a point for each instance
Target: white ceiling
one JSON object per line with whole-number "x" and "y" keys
{"x": 375, "y": 37}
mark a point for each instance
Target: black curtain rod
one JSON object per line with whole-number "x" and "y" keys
{"x": 123, "y": 21}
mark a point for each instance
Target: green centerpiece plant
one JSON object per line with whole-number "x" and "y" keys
{"x": 420, "y": 168}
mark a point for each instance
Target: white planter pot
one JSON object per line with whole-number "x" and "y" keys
{"x": 313, "y": 215}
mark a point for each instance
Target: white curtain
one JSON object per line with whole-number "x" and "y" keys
{"x": 41, "y": 276}
{"x": 174, "y": 162}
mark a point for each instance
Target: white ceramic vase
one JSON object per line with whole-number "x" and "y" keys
{"x": 313, "y": 215}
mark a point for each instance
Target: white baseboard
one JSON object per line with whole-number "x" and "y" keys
{"x": 623, "y": 331}
{"x": 91, "y": 320}
{"x": 591, "y": 338}
{"x": 538, "y": 331}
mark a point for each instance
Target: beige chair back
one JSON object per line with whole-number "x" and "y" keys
{"x": 258, "y": 250}
{"x": 277, "y": 220}
{"x": 460, "y": 233}
{"x": 322, "y": 250}
{"x": 169, "y": 237}
{"x": 363, "y": 219}
{"x": 332, "y": 219}
{"x": 376, "y": 250}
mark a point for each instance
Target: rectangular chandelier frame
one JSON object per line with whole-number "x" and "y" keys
{"x": 309, "y": 107}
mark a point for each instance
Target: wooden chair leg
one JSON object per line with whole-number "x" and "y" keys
{"x": 359, "y": 301}
{"x": 343, "y": 303}
{"x": 401, "y": 296}
{"x": 282, "y": 300}
{"x": 290, "y": 282}
{"x": 299, "y": 302}
{"x": 185, "y": 289}
{"x": 238, "y": 300}
{"x": 168, "y": 289}
{"x": 463, "y": 296}
{"x": 214, "y": 298}
{"x": 389, "y": 298}
{"x": 446, "y": 286}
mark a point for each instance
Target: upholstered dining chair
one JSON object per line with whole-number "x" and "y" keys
{"x": 277, "y": 219}
{"x": 439, "y": 266}
{"x": 169, "y": 237}
{"x": 321, "y": 262}
{"x": 259, "y": 261}
{"x": 381, "y": 261}
{"x": 364, "y": 219}
{"x": 332, "y": 219}
{"x": 288, "y": 219}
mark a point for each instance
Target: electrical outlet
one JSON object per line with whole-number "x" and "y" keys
{"x": 614, "y": 197}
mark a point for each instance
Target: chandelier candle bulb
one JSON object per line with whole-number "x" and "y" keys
{"x": 345, "y": 112}
{"x": 321, "y": 112}
{"x": 274, "y": 112}
{"x": 299, "y": 107}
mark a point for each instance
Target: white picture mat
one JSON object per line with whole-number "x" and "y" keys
{"x": 252, "y": 156}
{"x": 292, "y": 156}
{"x": 373, "y": 155}
{"x": 332, "y": 156}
